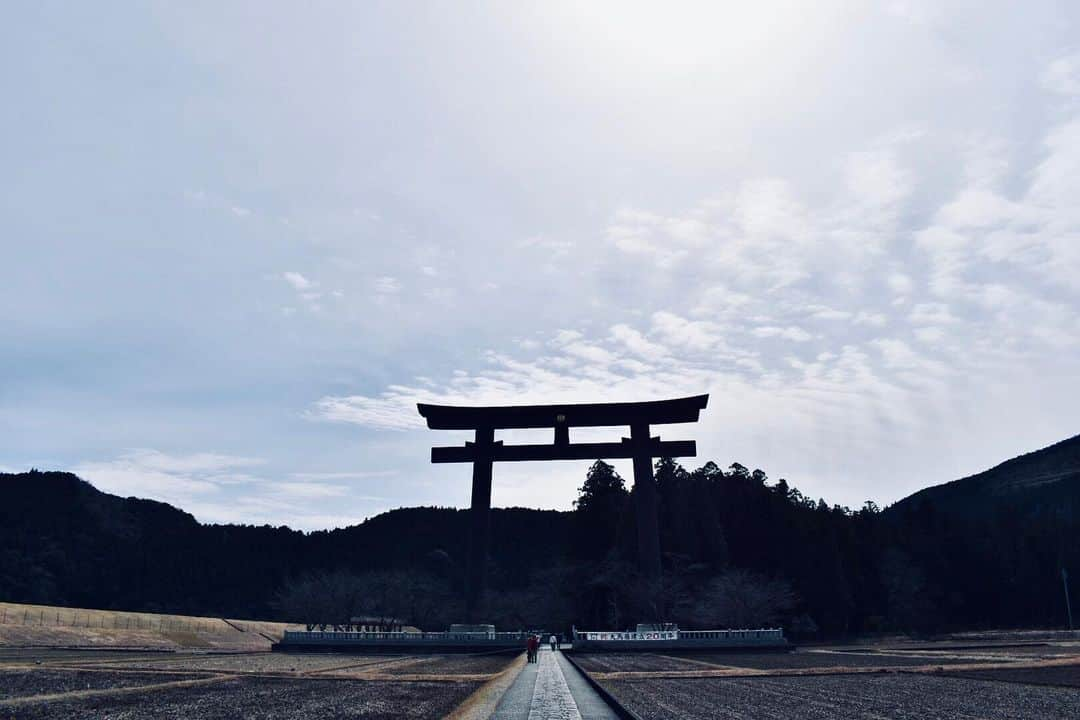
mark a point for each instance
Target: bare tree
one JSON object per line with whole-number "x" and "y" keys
{"x": 386, "y": 598}
{"x": 742, "y": 599}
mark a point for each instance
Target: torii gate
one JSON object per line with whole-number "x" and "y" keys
{"x": 485, "y": 450}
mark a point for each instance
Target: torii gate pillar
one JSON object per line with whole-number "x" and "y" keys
{"x": 645, "y": 504}
{"x": 479, "y": 526}
{"x": 484, "y": 451}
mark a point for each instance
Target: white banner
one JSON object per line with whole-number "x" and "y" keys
{"x": 656, "y": 635}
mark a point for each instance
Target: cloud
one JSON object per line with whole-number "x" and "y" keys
{"x": 220, "y": 488}
{"x": 931, "y": 314}
{"x": 875, "y": 179}
{"x": 298, "y": 281}
{"x": 688, "y": 335}
{"x": 963, "y": 285}
{"x": 636, "y": 342}
{"x": 1062, "y": 76}
{"x": 821, "y": 312}
{"x": 554, "y": 248}
{"x": 662, "y": 240}
{"x": 900, "y": 283}
{"x": 760, "y": 254}
{"x": 176, "y": 479}
{"x": 591, "y": 353}
{"x": 387, "y": 285}
{"x": 929, "y": 334}
{"x": 307, "y": 489}
{"x": 347, "y": 475}
{"x": 307, "y": 293}
{"x": 875, "y": 319}
{"x": 795, "y": 334}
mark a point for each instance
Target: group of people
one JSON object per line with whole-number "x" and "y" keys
{"x": 532, "y": 646}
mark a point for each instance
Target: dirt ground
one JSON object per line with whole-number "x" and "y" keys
{"x": 833, "y": 697}
{"x": 86, "y": 684}
{"x": 1026, "y": 682}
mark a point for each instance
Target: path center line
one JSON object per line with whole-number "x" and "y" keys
{"x": 551, "y": 696}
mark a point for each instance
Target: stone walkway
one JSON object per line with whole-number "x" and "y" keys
{"x": 552, "y": 689}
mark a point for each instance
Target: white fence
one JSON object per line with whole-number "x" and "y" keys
{"x": 763, "y": 635}
{"x": 401, "y": 637}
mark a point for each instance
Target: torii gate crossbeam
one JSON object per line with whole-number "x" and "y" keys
{"x": 484, "y": 451}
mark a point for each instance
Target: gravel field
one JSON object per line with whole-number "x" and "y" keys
{"x": 1068, "y": 676}
{"x": 21, "y": 656}
{"x": 634, "y": 662}
{"x": 683, "y": 661}
{"x": 487, "y": 663}
{"x": 835, "y": 697}
{"x": 262, "y": 699}
{"x": 806, "y": 660}
{"x": 23, "y": 683}
{"x": 1028, "y": 652}
{"x": 262, "y": 662}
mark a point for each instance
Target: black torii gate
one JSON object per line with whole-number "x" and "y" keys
{"x": 484, "y": 451}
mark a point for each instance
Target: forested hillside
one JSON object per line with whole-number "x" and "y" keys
{"x": 739, "y": 549}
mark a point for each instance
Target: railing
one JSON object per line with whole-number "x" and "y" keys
{"x": 747, "y": 636}
{"x": 761, "y": 634}
{"x": 744, "y": 635}
{"x": 301, "y": 636}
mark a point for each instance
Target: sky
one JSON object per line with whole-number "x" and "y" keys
{"x": 240, "y": 241}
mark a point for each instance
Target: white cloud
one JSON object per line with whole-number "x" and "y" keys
{"x": 636, "y": 342}
{"x": 866, "y": 317}
{"x": 345, "y": 475}
{"x": 307, "y": 489}
{"x": 688, "y": 335}
{"x": 386, "y": 285}
{"x": 795, "y": 334}
{"x": 929, "y": 334}
{"x": 931, "y": 313}
{"x": 298, "y": 281}
{"x": 688, "y": 246}
{"x": 1062, "y": 76}
{"x": 554, "y": 248}
{"x": 821, "y": 312}
{"x": 900, "y": 283}
{"x": 176, "y": 479}
{"x": 218, "y": 488}
{"x": 875, "y": 179}
{"x": 662, "y": 240}
{"x": 591, "y": 353}
{"x": 565, "y": 337}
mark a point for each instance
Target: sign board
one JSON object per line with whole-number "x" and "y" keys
{"x": 654, "y": 635}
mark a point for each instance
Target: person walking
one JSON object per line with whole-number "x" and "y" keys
{"x": 530, "y": 649}
{"x": 554, "y": 642}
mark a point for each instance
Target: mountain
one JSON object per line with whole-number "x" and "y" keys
{"x": 64, "y": 542}
{"x": 988, "y": 550}
{"x": 1050, "y": 475}
{"x": 981, "y": 552}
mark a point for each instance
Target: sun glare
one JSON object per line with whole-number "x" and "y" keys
{"x": 680, "y": 36}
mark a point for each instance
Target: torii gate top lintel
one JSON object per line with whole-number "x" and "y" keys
{"x": 654, "y": 412}
{"x": 637, "y": 415}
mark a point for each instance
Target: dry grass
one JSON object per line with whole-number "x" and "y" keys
{"x": 46, "y": 625}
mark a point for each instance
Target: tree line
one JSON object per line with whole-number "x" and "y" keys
{"x": 739, "y": 551}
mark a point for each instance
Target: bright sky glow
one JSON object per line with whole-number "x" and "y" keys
{"x": 242, "y": 240}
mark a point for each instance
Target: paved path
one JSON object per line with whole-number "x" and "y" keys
{"x": 552, "y": 689}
